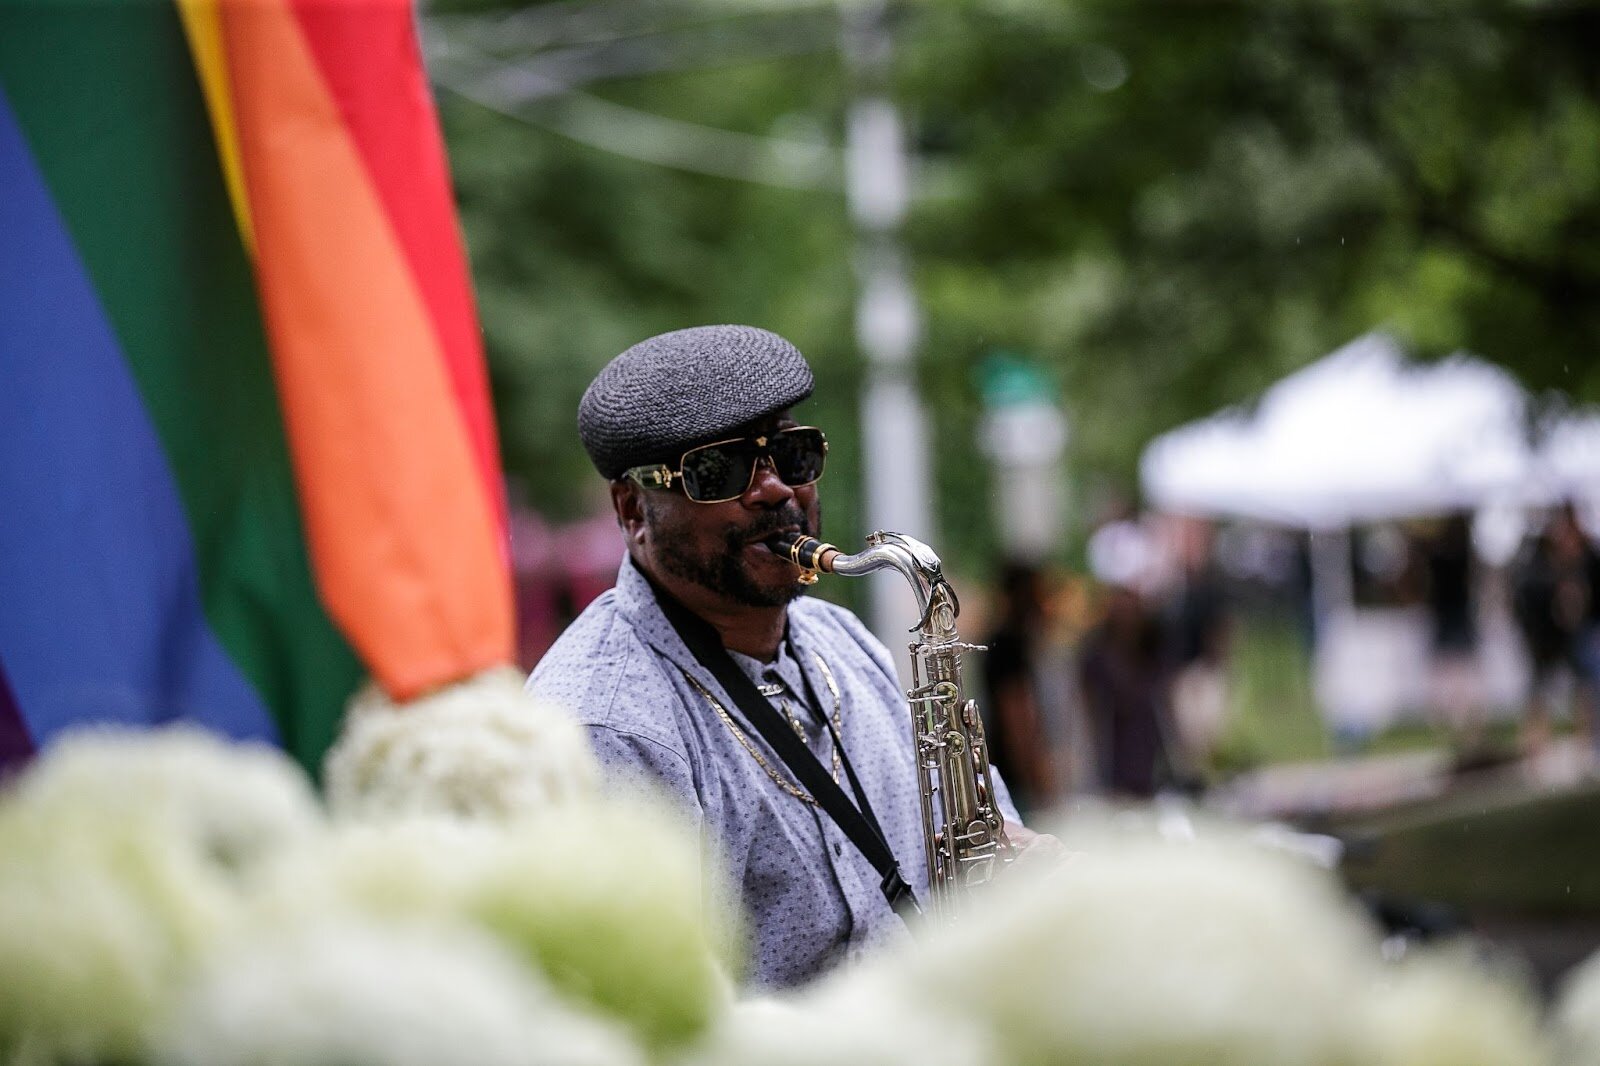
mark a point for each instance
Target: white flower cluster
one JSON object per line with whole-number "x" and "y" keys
{"x": 1144, "y": 951}
{"x": 480, "y": 748}
{"x": 125, "y": 857}
{"x": 1442, "y": 1009}
{"x": 864, "y": 1017}
{"x": 605, "y": 900}
{"x": 172, "y": 900}
{"x": 361, "y": 994}
{"x": 1578, "y": 1016}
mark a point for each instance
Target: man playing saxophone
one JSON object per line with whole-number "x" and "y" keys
{"x": 689, "y": 673}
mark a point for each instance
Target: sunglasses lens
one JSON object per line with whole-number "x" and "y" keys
{"x": 718, "y": 472}
{"x": 797, "y": 455}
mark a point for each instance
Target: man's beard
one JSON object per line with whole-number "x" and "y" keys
{"x": 723, "y": 573}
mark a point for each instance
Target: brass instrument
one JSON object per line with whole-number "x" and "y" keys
{"x": 964, "y": 836}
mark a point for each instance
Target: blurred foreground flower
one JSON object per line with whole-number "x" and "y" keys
{"x": 355, "y": 994}
{"x": 1577, "y": 1015}
{"x": 608, "y": 900}
{"x": 230, "y": 804}
{"x": 170, "y": 899}
{"x": 1443, "y": 1009}
{"x": 617, "y": 904}
{"x": 126, "y": 856}
{"x": 1144, "y": 951}
{"x": 478, "y": 748}
{"x": 98, "y": 929}
{"x": 864, "y": 1017}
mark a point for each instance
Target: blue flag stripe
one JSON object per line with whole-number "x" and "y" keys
{"x": 100, "y": 611}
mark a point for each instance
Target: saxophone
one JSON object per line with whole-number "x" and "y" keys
{"x": 963, "y": 831}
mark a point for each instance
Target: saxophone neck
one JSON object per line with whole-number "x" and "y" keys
{"x": 914, "y": 560}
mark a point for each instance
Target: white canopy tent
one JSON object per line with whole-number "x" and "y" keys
{"x": 1568, "y": 463}
{"x": 1366, "y": 435}
{"x": 1361, "y": 435}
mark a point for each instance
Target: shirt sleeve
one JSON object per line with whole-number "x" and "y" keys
{"x": 633, "y": 762}
{"x": 1002, "y": 795}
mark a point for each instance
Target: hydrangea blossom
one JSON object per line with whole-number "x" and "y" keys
{"x": 357, "y": 994}
{"x": 864, "y": 1017}
{"x": 618, "y": 904}
{"x": 1446, "y": 1009}
{"x": 232, "y": 804}
{"x": 608, "y": 900}
{"x": 478, "y": 748}
{"x": 127, "y": 855}
{"x": 1142, "y": 950}
{"x": 1577, "y": 1015}
{"x": 96, "y": 933}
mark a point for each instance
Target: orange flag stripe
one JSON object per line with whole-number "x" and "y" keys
{"x": 404, "y": 539}
{"x": 368, "y": 56}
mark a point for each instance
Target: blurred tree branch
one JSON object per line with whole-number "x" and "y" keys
{"x": 1167, "y": 205}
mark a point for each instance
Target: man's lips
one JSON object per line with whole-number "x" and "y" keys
{"x": 762, "y": 540}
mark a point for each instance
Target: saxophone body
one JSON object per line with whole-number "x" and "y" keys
{"x": 964, "y": 837}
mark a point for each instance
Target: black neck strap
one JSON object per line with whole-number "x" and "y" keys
{"x": 860, "y": 825}
{"x": 862, "y": 802}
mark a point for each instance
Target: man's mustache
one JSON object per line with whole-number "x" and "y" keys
{"x": 770, "y": 522}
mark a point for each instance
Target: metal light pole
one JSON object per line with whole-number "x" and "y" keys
{"x": 888, "y": 323}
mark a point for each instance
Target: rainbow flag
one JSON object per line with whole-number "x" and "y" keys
{"x": 246, "y": 449}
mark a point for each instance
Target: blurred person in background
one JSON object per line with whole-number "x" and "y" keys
{"x": 1122, "y": 669}
{"x": 693, "y": 430}
{"x": 1195, "y": 616}
{"x": 1556, "y": 600}
{"x": 1122, "y": 674}
{"x": 1452, "y": 607}
{"x": 1017, "y": 714}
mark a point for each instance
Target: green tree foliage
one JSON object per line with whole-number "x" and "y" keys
{"x": 1169, "y": 205}
{"x": 578, "y": 252}
{"x": 1185, "y": 201}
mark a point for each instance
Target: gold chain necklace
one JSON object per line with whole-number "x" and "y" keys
{"x": 739, "y": 734}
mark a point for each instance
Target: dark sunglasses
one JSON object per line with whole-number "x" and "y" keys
{"x": 723, "y": 470}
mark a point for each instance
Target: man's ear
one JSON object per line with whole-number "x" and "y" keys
{"x": 628, "y": 502}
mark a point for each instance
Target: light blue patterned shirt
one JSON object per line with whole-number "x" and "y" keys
{"x": 811, "y": 898}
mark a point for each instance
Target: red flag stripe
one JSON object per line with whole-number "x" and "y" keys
{"x": 366, "y": 51}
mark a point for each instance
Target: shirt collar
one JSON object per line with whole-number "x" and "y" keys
{"x": 637, "y": 602}
{"x": 782, "y": 668}
{"x": 636, "y": 599}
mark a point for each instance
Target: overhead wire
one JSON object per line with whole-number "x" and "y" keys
{"x": 544, "y": 90}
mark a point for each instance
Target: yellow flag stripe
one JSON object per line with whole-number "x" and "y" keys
{"x": 203, "y": 26}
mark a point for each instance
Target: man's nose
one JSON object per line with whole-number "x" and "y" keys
{"x": 766, "y": 488}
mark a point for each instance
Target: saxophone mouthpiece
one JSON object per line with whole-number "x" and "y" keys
{"x": 807, "y": 553}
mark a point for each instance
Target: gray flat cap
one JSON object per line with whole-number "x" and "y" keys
{"x": 684, "y": 388}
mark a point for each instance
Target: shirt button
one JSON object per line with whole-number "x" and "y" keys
{"x": 838, "y": 849}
